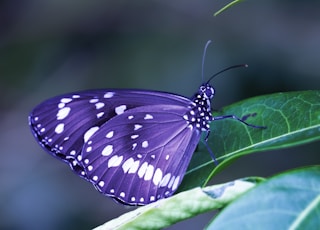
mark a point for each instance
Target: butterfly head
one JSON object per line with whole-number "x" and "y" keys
{"x": 206, "y": 91}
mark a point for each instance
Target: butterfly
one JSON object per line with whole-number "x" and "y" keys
{"x": 132, "y": 145}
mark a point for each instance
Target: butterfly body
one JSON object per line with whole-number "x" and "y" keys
{"x": 132, "y": 145}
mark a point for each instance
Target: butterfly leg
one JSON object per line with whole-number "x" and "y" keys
{"x": 209, "y": 149}
{"x": 239, "y": 119}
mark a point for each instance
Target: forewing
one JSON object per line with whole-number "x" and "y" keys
{"x": 64, "y": 123}
{"x": 141, "y": 155}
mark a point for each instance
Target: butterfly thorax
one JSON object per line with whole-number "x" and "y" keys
{"x": 199, "y": 116}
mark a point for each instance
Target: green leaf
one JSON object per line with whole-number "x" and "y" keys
{"x": 227, "y": 6}
{"x": 287, "y": 201}
{"x": 291, "y": 118}
{"x": 184, "y": 205}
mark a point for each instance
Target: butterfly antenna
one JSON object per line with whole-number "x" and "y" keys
{"x": 231, "y": 67}
{"x": 204, "y": 57}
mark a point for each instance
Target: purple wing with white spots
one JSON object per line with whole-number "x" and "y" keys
{"x": 142, "y": 154}
{"x": 132, "y": 145}
{"x": 63, "y": 124}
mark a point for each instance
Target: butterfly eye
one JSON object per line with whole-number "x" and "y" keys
{"x": 206, "y": 91}
{"x": 209, "y": 92}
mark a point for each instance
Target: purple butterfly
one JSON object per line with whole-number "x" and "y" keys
{"x": 132, "y": 145}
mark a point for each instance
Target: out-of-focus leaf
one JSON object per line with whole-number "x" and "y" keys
{"x": 290, "y": 200}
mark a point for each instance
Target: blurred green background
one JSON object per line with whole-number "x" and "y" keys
{"x": 52, "y": 47}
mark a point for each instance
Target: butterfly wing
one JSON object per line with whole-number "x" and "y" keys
{"x": 63, "y": 124}
{"x": 142, "y": 154}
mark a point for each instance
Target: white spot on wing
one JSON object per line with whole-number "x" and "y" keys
{"x": 122, "y": 194}
{"x": 134, "y": 167}
{"x": 148, "y": 116}
{"x": 130, "y": 117}
{"x": 120, "y": 109}
{"x": 143, "y": 169}
{"x": 171, "y": 181}
{"x": 101, "y": 183}
{"x": 145, "y": 144}
{"x": 157, "y": 177}
{"x": 59, "y": 128}
{"x": 137, "y": 126}
{"x": 107, "y": 150}
{"x": 89, "y": 133}
{"x": 100, "y": 114}
{"x": 63, "y": 113}
{"x": 134, "y": 136}
{"x": 110, "y": 134}
{"x": 99, "y": 105}
{"x": 115, "y": 161}
{"x": 149, "y": 173}
{"x": 89, "y": 149}
{"x": 95, "y": 100}
{"x": 108, "y": 95}
{"x": 127, "y": 165}
{"x": 176, "y": 183}
{"x": 66, "y": 100}
{"x": 165, "y": 180}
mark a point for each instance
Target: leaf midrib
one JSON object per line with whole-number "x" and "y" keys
{"x": 298, "y": 222}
